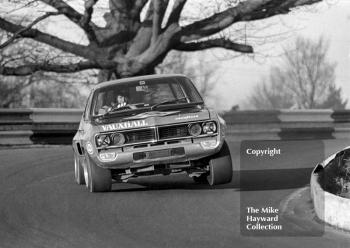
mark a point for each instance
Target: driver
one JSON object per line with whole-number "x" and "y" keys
{"x": 121, "y": 101}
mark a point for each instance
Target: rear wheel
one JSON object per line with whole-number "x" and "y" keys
{"x": 97, "y": 179}
{"x": 220, "y": 166}
{"x": 78, "y": 171}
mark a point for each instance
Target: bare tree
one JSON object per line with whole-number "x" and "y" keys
{"x": 11, "y": 87}
{"x": 305, "y": 80}
{"x": 25, "y": 91}
{"x": 196, "y": 68}
{"x": 205, "y": 78}
{"x": 177, "y": 63}
{"x": 271, "y": 94}
{"x": 53, "y": 94}
{"x": 334, "y": 99}
{"x": 138, "y": 33}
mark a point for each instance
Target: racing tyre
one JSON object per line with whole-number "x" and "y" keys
{"x": 97, "y": 179}
{"x": 220, "y": 166}
{"x": 78, "y": 171}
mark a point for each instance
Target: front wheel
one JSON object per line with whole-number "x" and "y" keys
{"x": 78, "y": 171}
{"x": 220, "y": 167}
{"x": 97, "y": 179}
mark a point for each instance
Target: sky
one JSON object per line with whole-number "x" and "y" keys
{"x": 237, "y": 76}
{"x": 330, "y": 19}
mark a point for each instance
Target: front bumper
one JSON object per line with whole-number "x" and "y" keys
{"x": 194, "y": 149}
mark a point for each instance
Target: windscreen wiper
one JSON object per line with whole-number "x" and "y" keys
{"x": 109, "y": 111}
{"x": 168, "y": 101}
{"x": 114, "y": 110}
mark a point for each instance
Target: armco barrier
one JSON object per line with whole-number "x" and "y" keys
{"x": 38, "y": 126}
{"x": 330, "y": 208}
{"x": 57, "y": 126}
{"x": 288, "y": 125}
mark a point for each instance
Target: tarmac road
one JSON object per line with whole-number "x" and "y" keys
{"x": 41, "y": 206}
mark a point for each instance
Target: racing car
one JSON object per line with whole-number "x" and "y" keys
{"x": 145, "y": 126}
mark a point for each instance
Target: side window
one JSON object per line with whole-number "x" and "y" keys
{"x": 192, "y": 91}
{"x": 177, "y": 90}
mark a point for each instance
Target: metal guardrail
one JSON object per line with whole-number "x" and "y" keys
{"x": 38, "y": 126}
{"x": 288, "y": 125}
{"x": 58, "y": 126}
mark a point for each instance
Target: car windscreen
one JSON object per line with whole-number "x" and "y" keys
{"x": 144, "y": 94}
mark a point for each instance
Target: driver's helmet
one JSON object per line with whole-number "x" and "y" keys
{"x": 120, "y": 99}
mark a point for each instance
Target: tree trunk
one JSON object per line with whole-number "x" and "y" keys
{"x": 137, "y": 36}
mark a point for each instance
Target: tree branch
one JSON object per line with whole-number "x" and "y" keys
{"x": 86, "y": 19}
{"x": 159, "y": 8}
{"x": 221, "y": 42}
{"x": 51, "y": 40}
{"x": 19, "y": 32}
{"x": 137, "y": 8}
{"x": 29, "y": 69}
{"x": 243, "y": 11}
{"x": 83, "y": 21}
{"x": 122, "y": 22}
{"x": 65, "y": 9}
{"x": 142, "y": 40}
{"x": 156, "y": 19}
{"x": 176, "y": 12}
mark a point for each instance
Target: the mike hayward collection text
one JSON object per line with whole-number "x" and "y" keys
{"x": 264, "y": 218}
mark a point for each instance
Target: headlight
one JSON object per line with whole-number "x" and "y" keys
{"x": 209, "y": 127}
{"x": 103, "y": 140}
{"x": 118, "y": 139}
{"x": 195, "y": 129}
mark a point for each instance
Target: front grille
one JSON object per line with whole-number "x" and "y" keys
{"x": 137, "y": 136}
{"x": 171, "y": 132}
{"x": 178, "y": 151}
{"x": 156, "y": 136}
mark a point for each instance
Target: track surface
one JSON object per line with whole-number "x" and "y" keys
{"x": 41, "y": 206}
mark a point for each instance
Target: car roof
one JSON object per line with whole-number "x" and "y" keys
{"x": 133, "y": 79}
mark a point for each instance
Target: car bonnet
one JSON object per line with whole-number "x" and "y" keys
{"x": 155, "y": 118}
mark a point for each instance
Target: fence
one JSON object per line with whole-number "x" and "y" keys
{"x": 58, "y": 126}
